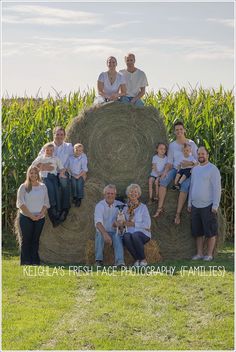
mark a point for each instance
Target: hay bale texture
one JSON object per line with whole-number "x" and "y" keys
{"x": 119, "y": 141}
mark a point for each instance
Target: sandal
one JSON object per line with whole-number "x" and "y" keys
{"x": 177, "y": 219}
{"x": 158, "y": 212}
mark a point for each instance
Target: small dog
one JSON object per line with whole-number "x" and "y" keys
{"x": 121, "y": 228}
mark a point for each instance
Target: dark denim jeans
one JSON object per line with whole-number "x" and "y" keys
{"x": 31, "y": 231}
{"x": 51, "y": 182}
{"x": 135, "y": 242}
{"x": 65, "y": 192}
{"x": 77, "y": 185}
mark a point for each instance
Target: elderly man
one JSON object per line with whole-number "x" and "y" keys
{"x": 63, "y": 151}
{"x": 203, "y": 203}
{"x": 104, "y": 218}
{"x": 136, "y": 81}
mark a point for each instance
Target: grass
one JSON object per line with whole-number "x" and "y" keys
{"x": 133, "y": 311}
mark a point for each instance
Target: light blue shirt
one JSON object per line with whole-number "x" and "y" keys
{"x": 77, "y": 164}
{"x": 205, "y": 186}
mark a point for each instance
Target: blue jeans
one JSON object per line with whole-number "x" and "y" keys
{"x": 171, "y": 176}
{"x": 77, "y": 187}
{"x": 127, "y": 100}
{"x": 65, "y": 192}
{"x": 51, "y": 182}
{"x": 30, "y": 231}
{"x": 117, "y": 245}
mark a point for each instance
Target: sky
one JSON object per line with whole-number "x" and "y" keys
{"x": 62, "y": 47}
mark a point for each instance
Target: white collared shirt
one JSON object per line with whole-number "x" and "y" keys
{"x": 62, "y": 151}
{"x": 106, "y": 214}
{"x": 76, "y": 164}
{"x": 53, "y": 160}
{"x": 142, "y": 220}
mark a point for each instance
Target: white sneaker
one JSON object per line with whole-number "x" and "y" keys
{"x": 143, "y": 263}
{"x": 207, "y": 258}
{"x": 136, "y": 263}
{"x": 197, "y": 257}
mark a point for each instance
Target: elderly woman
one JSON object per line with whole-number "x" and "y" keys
{"x": 111, "y": 84}
{"x": 33, "y": 202}
{"x": 138, "y": 223}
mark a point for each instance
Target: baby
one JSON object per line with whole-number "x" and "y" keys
{"x": 184, "y": 171}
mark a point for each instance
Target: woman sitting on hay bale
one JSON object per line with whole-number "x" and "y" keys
{"x": 33, "y": 202}
{"x": 138, "y": 224}
{"x": 175, "y": 157}
{"x": 111, "y": 84}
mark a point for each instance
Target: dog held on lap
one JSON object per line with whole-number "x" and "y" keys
{"x": 121, "y": 228}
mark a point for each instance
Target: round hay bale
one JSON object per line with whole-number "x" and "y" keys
{"x": 120, "y": 141}
{"x": 152, "y": 253}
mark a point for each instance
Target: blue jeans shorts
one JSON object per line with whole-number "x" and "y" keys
{"x": 171, "y": 176}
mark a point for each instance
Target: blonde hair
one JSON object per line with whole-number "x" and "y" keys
{"x": 130, "y": 54}
{"x": 48, "y": 145}
{"x": 28, "y": 183}
{"x": 133, "y": 186}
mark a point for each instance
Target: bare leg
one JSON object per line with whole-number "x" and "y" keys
{"x": 211, "y": 245}
{"x": 181, "y": 200}
{"x": 199, "y": 243}
{"x": 157, "y": 188}
{"x": 162, "y": 195}
{"x": 182, "y": 179}
{"x": 177, "y": 177}
{"x": 150, "y": 182}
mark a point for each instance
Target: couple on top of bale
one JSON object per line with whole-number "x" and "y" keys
{"x": 126, "y": 86}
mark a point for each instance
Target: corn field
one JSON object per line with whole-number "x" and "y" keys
{"x": 27, "y": 124}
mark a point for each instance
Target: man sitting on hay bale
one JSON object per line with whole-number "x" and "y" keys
{"x": 104, "y": 218}
{"x": 136, "y": 82}
{"x": 63, "y": 151}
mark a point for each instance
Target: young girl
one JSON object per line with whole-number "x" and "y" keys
{"x": 77, "y": 167}
{"x": 158, "y": 164}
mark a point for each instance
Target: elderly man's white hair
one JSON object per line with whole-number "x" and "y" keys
{"x": 133, "y": 186}
{"x": 110, "y": 186}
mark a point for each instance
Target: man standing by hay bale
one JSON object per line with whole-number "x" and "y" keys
{"x": 62, "y": 150}
{"x": 136, "y": 81}
{"x": 203, "y": 203}
{"x": 104, "y": 218}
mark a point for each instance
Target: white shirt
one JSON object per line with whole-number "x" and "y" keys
{"x": 175, "y": 152}
{"x": 188, "y": 158}
{"x": 134, "y": 81}
{"x": 62, "y": 151}
{"x": 55, "y": 161}
{"x": 205, "y": 186}
{"x": 34, "y": 200}
{"x": 106, "y": 214}
{"x": 77, "y": 164}
{"x": 109, "y": 88}
{"x": 142, "y": 220}
{"x": 159, "y": 164}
